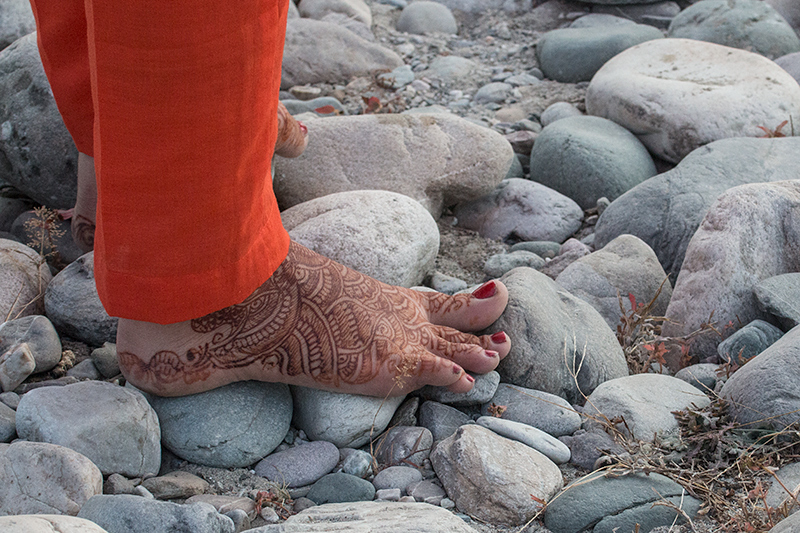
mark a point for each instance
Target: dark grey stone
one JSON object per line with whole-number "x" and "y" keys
{"x": 8, "y": 423}
{"x": 703, "y": 376}
{"x": 748, "y": 342}
{"x": 586, "y": 447}
{"x": 84, "y": 370}
{"x": 397, "y": 477}
{"x": 481, "y": 391}
{"x": 406, "y": 414}
{"x": 496, "y": 92}
{"x": 340, "y": 488}
{"x": 10, "y": 209}
{"x": 105, "y": 359}
{"x": 59, "y": 248}
{"x": 40, "y": 336}
{"x": 548, "y": 412}
{"x": 404, "y": 446}
{"x": 780, "y": 297}
{"x": 441, "y": 420}
{"x": 499, "y": 264}
{"x": 658, "y": 14}
{"x": 301, "y": 465}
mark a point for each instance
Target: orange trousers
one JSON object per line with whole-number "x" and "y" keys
{"x": 176, "y": 100}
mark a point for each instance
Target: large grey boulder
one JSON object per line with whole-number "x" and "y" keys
{"x": 752, "y": 232}
{"x": 344, "y": 56}
{"x": 575, "y": 54}
{"x": 40, "y": 478}
{"x": 40, "y": 158}
{"x": 561, "y": 344}
{"x": 385, "y": 235}
{"x": 764, "y": 392}
{"x": 666, "y": 210}
{"x": 114, "y": 427}
{"x": 606, "y": 277}
{"x": 436, "y": 159}
{"x": 125, "y": 513}
{"x": 24, "y": 275}
{"x": 16, "y": 20}
{"x": 231, "y": 426}
{"x": 587, "y": 158}
{"x": 494, "y": 478}
{"x": 679, "y": 94}
{"x": 748, "y": 24}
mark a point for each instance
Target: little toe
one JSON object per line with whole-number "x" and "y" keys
{"x": 430, "y": 369}
{"x": 476, "y": 354}
{"x": 467, "y": 312}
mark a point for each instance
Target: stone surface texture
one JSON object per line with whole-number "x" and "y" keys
{"x": 22, "y": 273}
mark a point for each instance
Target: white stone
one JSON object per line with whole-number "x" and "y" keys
{"x": 44, "y": 523}
{"x": 24, "y": 276}
{"x": 554, "y": 449}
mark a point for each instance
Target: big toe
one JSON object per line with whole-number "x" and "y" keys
{"x": 467, "y": 312}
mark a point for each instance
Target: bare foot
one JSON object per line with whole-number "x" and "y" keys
{"x": 319, "y": 324}
{"x": 292, "y": 134}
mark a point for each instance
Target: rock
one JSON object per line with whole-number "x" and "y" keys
{"x": 679, "y": 94}
{"x": 11, "y": 208}
{"x": 39, "y": 478}
{"x": 354, "y": 9}
{"x": 645, "y": 401}
{"x": 594, "y": 20}
{"x": 499, "y": 264}
{"x": 441, "y": 420}
{"x": 74, "y": 308}
{"x": 16, "y": 20}
{"x": 666, "y": 210}
{"x": 305, "y": 62}
{"x": 549, "y": 446}
{"x": 112, "y": 426}
{"x": 779, "y": 296}
{"x": 493, "y": 478}
{"x": 605, "y": 279}
{"x": 423, "y": 17}
{"x": 358, "y": 463}
{"x": 545, "y": 249}
{"x": 586, "y": 158}
{"x": 403, "y": 445}
{"x": 293, "y": 11}
{"x": 301, "y": 465}
{"x": 346, "y": 420}
{"x": 658, "y": 14}
{"x": 15, "y": 365}
{"x": 60, "y": 382}
{"x": 426, "y": 491}
{"x": 368, "y": 517}
{"x": 704, "y": 376}
{"x": 788, "y": 10}
{"x": 406, "y": 414}
{"x": 58, "y": 247}
{"x": 618, "y": 502}
{"x": 791, "y": 64}
{"x": 788, "y": 525}
{"x": 341, "y": 488}
{"x": 547, "y": 412}
{"x": 385, "y": 235}
{"x": 175, "y": 485}
{"x": 586, "y": 447}
{"x": 748, "y": 342}
{"x": 571, "y": 55}
{"x": 397, "y": 477}
{"x": 496, "y": 92}
{"x": 40, "y": 336}
{"x": 297, "y": 107}
{"x": 134, "y": 514}
{"x": 117, "y": 484}
{"x": 42, "y": 523}
{"x": 482, "y": 390}
{"x": 40, "y": 157}
{"x": 763, "y": 393}
{"x": 554, "y": 335}
{"x": 558, "y": 111}
{"x": 747, "y": 24}
{"x": 389, "y": 495}
{"x": 449, "y": 69}
{"x": 435, "y": 159}
{"x": 105, "y": 359}
{"x": 8, "y": 423}
{"x": 398, "y": 78}
{"x": 226, "y": 504}
{"x": 521, "y": 209}
{"x": 750, "y": 233}
{"x": 208, "y": 428}
{"x": 23, "y": 275}
{"x": 241, "y": 521}
{"x": 10, "y": 399}
{"x": 789, "y": 477}
{"x": 446, "y": 284}
{"x": 522, "y": 142}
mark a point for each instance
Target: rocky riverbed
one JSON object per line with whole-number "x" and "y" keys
{"x": 628, "y": 168}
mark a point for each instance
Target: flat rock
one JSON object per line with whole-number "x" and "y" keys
{"x": 44, "y": 523}
{"x": 605, "y": 278}
{"x": 385, "y": 235}
{"x": 16, "y": 20}
{"x": 40, "y": 336}
{"x": 341, "y": 488}
{"x": 427, "y": 17}
{"x": 134, "y": 514}
{"x": 175, "y": 485}
{"x": 520, "y": 209}
{"x": 40, "y": 157}
{"x": 435, "y": 159}
{"x": 368, "y": 517}
{"x": 575, "y": 54}
{"x": 779, "y": 296}
{"x": 587, "y": 158}
{"x": 547, "y": 412}
{"x": 23, "y": 274}
{"x": 231, "y": 426}
{"x": 645, "y": 401}
{"x": 346, "y": 420}
{"x": 355, "y": 9}
{"x": 40, "y": 478}
{"x": 493, "y": 478}
{"x": 747, "y": 24}
{"x": 763, "y": 393}
{"x": 549, "y": 446}
{"x": 679, "y": 94}
{"x": 73, "y": 306}
{"x": 344, "y": 56}
{"x": 666, "y": 210}
{"x": 748, "y": 342}
{"x": 748, "y": 234}
{"x": 300, "y": 465}
{"x": 114, "y": 427}
{"x": 555, "y": 334}
{"x": 617, "y": 502}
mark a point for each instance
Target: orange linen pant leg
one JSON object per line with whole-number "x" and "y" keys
{"x": 184, "y": 104}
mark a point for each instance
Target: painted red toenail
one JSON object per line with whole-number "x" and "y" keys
{"x": 303, "y": 127}
{"x": 486, "y": 290}
{"x": 490, "y": 353}
{"x": 499, "y": 337}
{"x": 457, "y": 369}
{"x": 470, "y": 378}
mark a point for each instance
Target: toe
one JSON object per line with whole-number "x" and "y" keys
{"x": 422, "y": 367}
{"x": 476, "y": 354}
{"x": 292, "y": 135}
{"x": 467, "y": 312}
